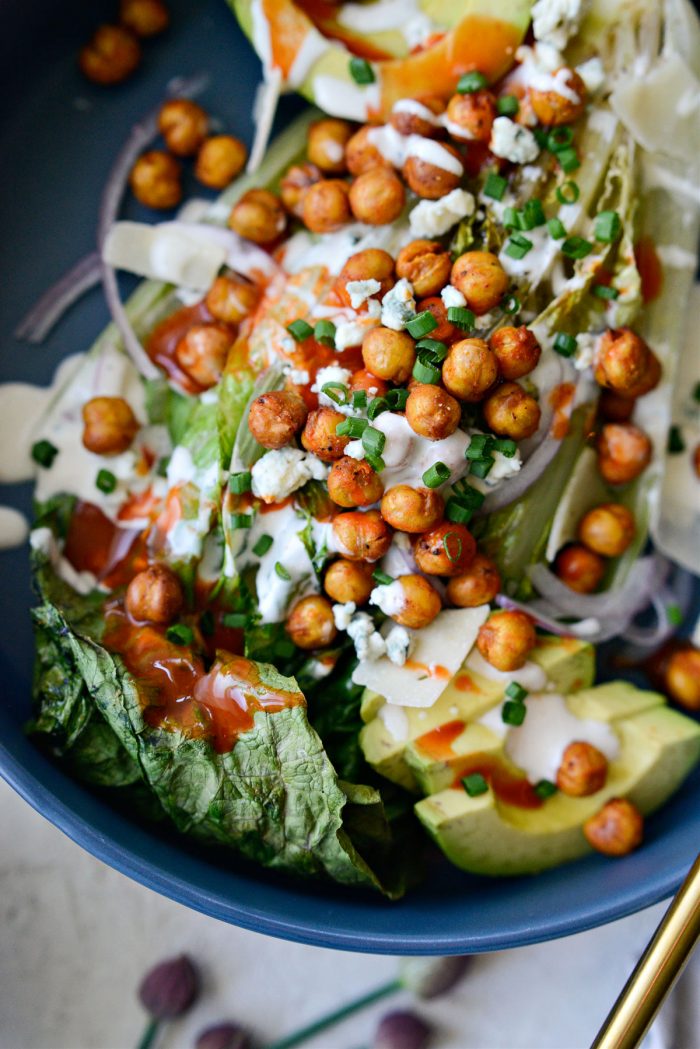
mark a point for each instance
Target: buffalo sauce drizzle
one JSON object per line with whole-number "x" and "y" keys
{"x": 164, "y": 339}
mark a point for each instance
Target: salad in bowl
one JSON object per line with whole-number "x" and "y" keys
{"x": 331, "y": 520}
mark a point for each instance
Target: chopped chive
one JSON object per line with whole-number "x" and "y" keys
{"x": 207, "y": 625}
{"x": 351, "y": 428}
{"x": 381, "y": 578}
{"x": 235, "y": 620}
{"x": 511, "y": 304}
{"x": 576, "y": 248}
{"x": 541, "y": 136}
{"x": 676, "y": 444}
{"x": 468, "y": 83}
{"x": 422, "y": 324}
{"x": 513, "y": 712}
{"x": 373, "y": 440}
{"x": 461, "y": 316}
{"x": 324, "y": 332}
{"x": 424, "y": 371}
{"x": 436, "y": 350}
{"x": 674, "y": 615}
{"x": 480, "y": 444}
{"x": 482, "y": 467}
{"x": 376, "y": 406}
{"x": 516, "y": 692}
{"x": 565, "y": 344}
{"x": 457, "y": 512}
{"x": 240, "y": 482}
{"x": 162, "y": 466}
{"x": 608, "y": 226}
{"x": 241, "y": 520}
{"x": 533, "y": 214}
{"x": 568, "y": 159}
{"x": 495, "y": 186}
{"x": 518, "y": 246}
{"x": 436, "y": 475}
{"x": 544, "y": 788}
{"x": 559, "y": 138}
{"x": 359, "y": 398}
{"x": 263, "y": 545}
{"x": 505, "y": 446}
{"x": 454, "y": 554}
{"x": 475, "y": 784}
{"x": 281, "y": 571}
{"x": 337, "y": 391}
{"x": 556, "y": 229}
{"x": 375, "y": 461}
{"x": 603, "y": 291}
{"x": 106, "y": 481}
{"x": 180, "y": 634}
{"x": 396, "y": 399}
{"x": 510, "y": 218}
{"x": 361, "y": 71}
{"x": 568, "y": 192}
{"x": 300, "y": 330}
{"x": 44, "y": 453}
{"x": 507, "y": 106}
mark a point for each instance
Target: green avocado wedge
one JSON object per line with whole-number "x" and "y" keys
{"x": 481, "y": 834}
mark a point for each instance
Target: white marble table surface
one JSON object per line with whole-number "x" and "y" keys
{"x": 76, "y": 936}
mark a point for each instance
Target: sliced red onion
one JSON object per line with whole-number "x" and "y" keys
{"x": 585, "y": 629}
{"x": 58, "y": 299}
{"x": 645, "y": 578}
{"x": 677, "y": 594}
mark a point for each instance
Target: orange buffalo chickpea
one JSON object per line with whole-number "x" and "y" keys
{"x": 447, "y": 550}
{"x": 624, "y": 452}
{"x": 326, "y": 142}
{"x": 506, "y": 639}
{"x": 310, "y": 624}
{"x": 231, "y": 298}
{"x": 580, "y": 568}
{"x": 417, "y": 116}
{"x": 650, "y": 378}
{"x": 109, "y": 425}
{"x": 622, "y": 360}
{"x": 422, "y": 602}
{"x": 319, "y": 436}
{"x": 682, "y": 677}
{"x": 471, "y": 116}
{"x": 517, "y": 351}
{"x": 145, "y": 18}
{"x": 481, "y": 279}
{"x": 427, "y": 264}
{"x": 616, "y": 829}
{"x": 154, "y": 595}
{"x": 326, "y": 205}
{"x": 432, "y": 412}
{"x": 554, "y": 108}
{"x": 363, "y": 379}
{"x": 369, "y": 264}
{"x": 258, "y": 216}
{"x": 389, "y": 354}
{"x": 479, "y": 585}
{"x": 511, "y": 412}
{"x": 184, "y": 125}
{"x": 583, "y": 770}
{"x": 412, "y": 510}
{"x": 349, "y": 581}
{"x": 110, "y": 56}
{"x": 219, "y": 160}
{"x": 377, "y": 197}
{"x": 362, "y": 536}
{"x": 430, "y": 181}
{"x": 445, "y": 331}
{"x": 353, "y": 482}
{"x": 202, "y": 352}
{"x": 276, "y": 417}
{"x": 155, "y": 180}
{"x": 294, "y": 184}
{"x": 607, "y": 529}
{"x": 361, "y": 154}
{"x": 470, "y": 370}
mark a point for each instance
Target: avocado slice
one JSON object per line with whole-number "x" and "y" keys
{"x": 568, "y": 663}
{"x": 314, "y": 54}
{"x": 482, "y": 834}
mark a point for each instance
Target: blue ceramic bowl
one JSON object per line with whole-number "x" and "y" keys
{"x": 58, "y": 136}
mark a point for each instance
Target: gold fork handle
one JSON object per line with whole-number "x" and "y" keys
{"x": 656, "y": 971}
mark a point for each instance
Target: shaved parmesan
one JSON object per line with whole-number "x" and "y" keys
{"x": 163, "y": 252}
{"x": 438, "y": 652}
{"x": 661, "y": 110}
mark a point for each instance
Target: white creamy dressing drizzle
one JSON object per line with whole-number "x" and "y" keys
{"x": 343, "y": 98}
{"x": 332, "y": 250}
{"x": 417, "y": 109}
{"x": 14, "y": 528}
{"x": 43, "y": 541}
{"x": 543, "y": 68}
{"x": 531, "y": 676}
{"x": 395, "y": 720}
{"x": 397, "y": 148}
{"x": 407, "y": 455}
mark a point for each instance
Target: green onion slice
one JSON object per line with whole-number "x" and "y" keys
{"x": 361, "y": 71}
{"x": 568, "y": 192}
{"x": 436, "y": 475}
{"x": 565, "y": 344}
{"x": 381, "y": 578}
{"x": 180, "y": 634}
{"x": 44, "y": 453}
{"x": 495, "y": 186}
{"x": 475, "y": 784}
{"x": 240, "y": 482}
{"x": 106, "y": 481}
{"x": 373, "y": 440}
{"x": 324, "y": 332}
{"x": 235, "y": 620}
{"x": 470, "y": 82}
{"x": 507, "y": 106}
{"x": 282, "y": 571}
{"x": 461, "y": 316}
{"x": 300, "y": 330}
{"x": 422, "y": 324}
{"x": 263, "y": 545}
{"x": 337, "y": 391}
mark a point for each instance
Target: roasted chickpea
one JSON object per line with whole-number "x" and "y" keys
{"x": 310, "y": 624}
{"x": 389, "y": 354}
{"x": 517, "y": 351}
{"x": 624, "y": 451}
{"x": 430, "y": 181}
{"x": 361, "y": 154}
{"x": 682, "y": 677}
{"x": 552, "y": 108}
{"x": 579, "y": 568}
{"x": 477, "y": 586}
{"x": 145, "y": 18}
{"x": 445, "y": 331}
{"x": 326, "y": 144}
{"x": 219, "y": 160}
{"x": 202, "y": 352}
{"x": 362, "y": 536}
{"x": 110, "y": 425}
{"x": 258, "y": 216}
{"x": 583, "y": 770}
{"x": 155, "y": 180}
{"x": 481, "y": 279}
{"x": 294, "y": 185}
{"x": 617, "y": 829}
{"x": 370, "y": 264}
{"x": 607, "y": 529}
{"x": 349, "y": 581}
{"x": 183, "y": 124}
{"x": 615, "y": 408}
{"x": 319, "y": 436}
{"x": 276, "y": 417}
{"x": 417, "y": 116}
{"x": 363, "y": 379}
{"x": 471, "y": 116}
{"x": 448, "y": 549}
{"x": 422, "y": 602}
{"x": 432, "y": 412}
{"x": 511, "y": 412}
{"x": 427, "y": 264}
{"x": 622, "y": 360}
{"x": 326, "y": 205}
{"x": 650, "y": 378}
{"x": 470, "y": 370}
{"x": 412, "y": 509}
{"x": 154, "y": 595}
{"x": 231, "y": 298}
{"x": 377, "y": 197}
{"x": 110, "y": 56}
{"x": 353, "y": 482}
{"x": 506, "y": 639}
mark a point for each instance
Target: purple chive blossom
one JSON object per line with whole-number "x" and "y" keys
{"x": 224, "y": 1036}
{"x": 402, "y": 1029}
{"x": 169, "y": 988}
